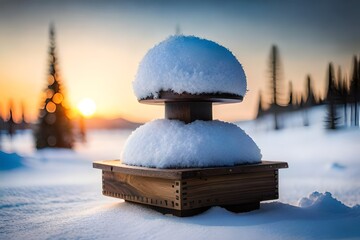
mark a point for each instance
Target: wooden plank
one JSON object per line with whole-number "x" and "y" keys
{"x": 229, "y": 189}
{"x": 230, "y": 193}
{"x": 186, "y": 173}
{"x": 237, "y": 178}
{"x": 144, "y": 200}
{"x": 140, "y": 186}
{"x": 105, "y": 165}
{"x": 117, "y": 166}
{"x": 228, "y": 199}
{"x": 213, "y": 189}
{"x": 246, "y": 168}
{"x": 147, "y": 190}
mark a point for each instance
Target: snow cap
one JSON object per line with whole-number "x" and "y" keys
{"x": 189, "y": 64}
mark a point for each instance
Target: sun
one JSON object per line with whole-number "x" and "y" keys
{"x": 87, "y": 107}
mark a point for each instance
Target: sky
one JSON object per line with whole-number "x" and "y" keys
{"x": 101, "y": 43}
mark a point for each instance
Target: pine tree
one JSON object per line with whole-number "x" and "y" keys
{"x": 11, "y": 125}
{"x": 332, "y": 117}
{"x": 331, "y": 89}
{"x": 342, "y": 88}
{"x": 355, "y": 92}
{"x": 54, "y": 128}
{"x": 291, "y": 100}
{"x": 308, "y": 101}
{"x": 296, "y": 100}
{"x": 2, "y": 121}
{"x": 310, "y": 97}
{"x": 302, "y": 102}
{"x": 260, "y": 107}
{"x": 275, "y": 68}
{"x": 23, "y": 123}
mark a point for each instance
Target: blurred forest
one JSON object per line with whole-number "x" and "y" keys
{"x": 342, "y": 96}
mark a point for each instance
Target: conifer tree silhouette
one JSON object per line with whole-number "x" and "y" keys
{"x": 260, "y": 107}
{"x": 2, "y": 121}
{"x": 291, "y": 100}
{"x": 332, "y": 117}
{"x": 308, "y": 102}
{"x": 23, "y": 124}
{"x": 54, "y": 128}
{"x": 355, "y": 92}
{"x": 343, "y": 92}
{"x": 331, "y": 88}
{"x": 310, "y": 97}
{"x": 11, "y": 125}
{"x": 275, "y": 68}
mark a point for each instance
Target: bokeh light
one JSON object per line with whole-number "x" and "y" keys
{"x": 51, "y": 107}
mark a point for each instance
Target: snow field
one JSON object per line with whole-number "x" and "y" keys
{"x": 56, "y": 194}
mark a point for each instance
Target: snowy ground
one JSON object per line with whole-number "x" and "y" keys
{"x": 55, "y": 194}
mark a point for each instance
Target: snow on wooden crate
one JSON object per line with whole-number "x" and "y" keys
{"x": 185, "y": 192}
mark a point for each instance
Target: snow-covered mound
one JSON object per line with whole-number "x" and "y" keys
{"x": 171, "y": 143}
{"x": 323, "y": 202}
{"x": 189, "y": 64}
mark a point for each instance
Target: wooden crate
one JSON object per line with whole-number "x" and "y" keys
{"x": 185, "y": 192}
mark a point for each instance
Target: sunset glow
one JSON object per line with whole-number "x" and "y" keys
{"x": 87, "y": 107}
{"x": 98, "y": 56}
